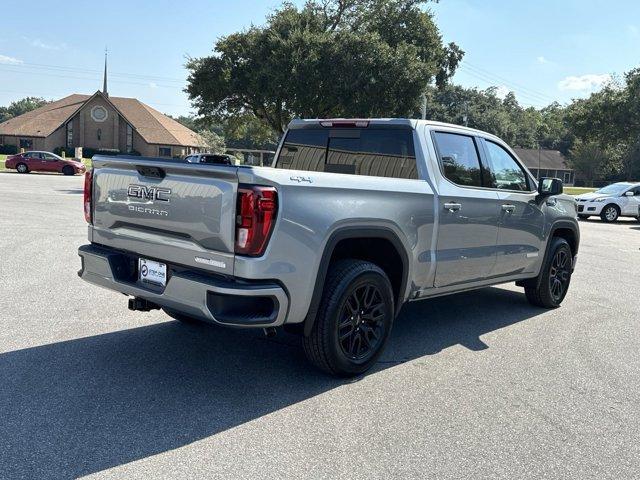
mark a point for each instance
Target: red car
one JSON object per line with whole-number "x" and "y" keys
{"x": 44, "y": 162}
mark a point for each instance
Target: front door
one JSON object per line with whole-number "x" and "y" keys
{"x": 50, "y": 163}
{"x": 468, "y": 226}
{"x": 521, "y": 223}
{"x": 630, "y": 204}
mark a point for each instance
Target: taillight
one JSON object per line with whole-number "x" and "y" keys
{"x": 256, "y": 211}
{"x": 88, "y": 186}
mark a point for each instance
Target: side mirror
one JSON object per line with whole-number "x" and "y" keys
{"x": 550, "y": 186}
{"x": 628, "y": 194}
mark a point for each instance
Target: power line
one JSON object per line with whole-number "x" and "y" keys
{"x": 46, "y": 95}
{"x": 518, "y": 86}
{"x": 492, "y": 83}
{"x": 90, "y": 70}
{"x": 75, "y": 77}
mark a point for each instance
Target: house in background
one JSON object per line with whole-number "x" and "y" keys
{"x": 546, "y": 163}
{"x": 99, "y": 121}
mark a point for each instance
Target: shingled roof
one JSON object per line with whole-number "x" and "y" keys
{"x": 153, "y": 126}
{"x": 43, "y": 121}
{"x": 543, "y": 159}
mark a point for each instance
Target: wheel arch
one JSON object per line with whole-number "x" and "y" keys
{"x": 346, "y": 238}
{"x": 567, "y": 230}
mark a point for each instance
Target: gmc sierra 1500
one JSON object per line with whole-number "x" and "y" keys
{"x": 353, "y": 219}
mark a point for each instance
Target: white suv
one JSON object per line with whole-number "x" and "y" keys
{"x": 613, "y": 201}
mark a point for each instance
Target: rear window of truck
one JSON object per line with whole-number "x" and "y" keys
{"x": 373, "y": 151}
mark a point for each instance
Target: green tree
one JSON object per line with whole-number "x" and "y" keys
{"x": 588, "y": 160}
{"x": 331, "y": 58}
{"x": 212, "y": 142}
{"x": 21, "y": 106}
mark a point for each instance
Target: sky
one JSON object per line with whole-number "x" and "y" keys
{"x": 544, "y": 50}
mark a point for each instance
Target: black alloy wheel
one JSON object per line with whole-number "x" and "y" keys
{"x": 361, "y": 327}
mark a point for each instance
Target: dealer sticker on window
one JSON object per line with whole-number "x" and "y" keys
{"x": 152, "y": 272}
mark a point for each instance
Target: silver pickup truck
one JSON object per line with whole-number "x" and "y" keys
{"x": 353, "y": 219}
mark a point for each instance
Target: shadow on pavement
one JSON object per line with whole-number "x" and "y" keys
{"x": 78, "y": 407}
{"x": 72, "y": 191}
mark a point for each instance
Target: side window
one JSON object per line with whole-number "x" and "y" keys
{"x": 304, "y": 149}
{"x": 375, "y": 152}
{"x": 459, "y": 158}
{"x": 506, "y": 173}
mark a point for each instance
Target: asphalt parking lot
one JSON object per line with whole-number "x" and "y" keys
{"x": 472, "y": 385}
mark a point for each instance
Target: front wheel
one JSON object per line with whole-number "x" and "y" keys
{"x": 354, "y": 319}
{"x": 610, "y": 213}
{"x": 67, "y": 170}
{"x": 583, "y": 217}
{"x": 549, "y": 288}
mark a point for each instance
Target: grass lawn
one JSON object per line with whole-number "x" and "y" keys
{"x": 578, "y": 190}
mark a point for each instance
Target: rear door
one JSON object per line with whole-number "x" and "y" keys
{"x": 34, "y": 161}
{"x": 174, "y": 212}
{"x": 521, "y": 220}
{"x": 468, "y": 226}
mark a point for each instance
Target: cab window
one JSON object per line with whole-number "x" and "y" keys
{"x": 459, "y": 158}
{"x": 506, "y": 173}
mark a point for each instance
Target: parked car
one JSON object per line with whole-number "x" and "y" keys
{"x": 210, "y": 158}
{"x": 354, "y": 219}
{"x": 611, "y": 202}
{"x": 44, "y": 162}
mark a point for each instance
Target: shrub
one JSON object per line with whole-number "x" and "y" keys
{"x": 8, "y": 149}
{"x": 68, "y": 151}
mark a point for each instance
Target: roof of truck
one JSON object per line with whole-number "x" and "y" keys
{"x": 410, "y": 122}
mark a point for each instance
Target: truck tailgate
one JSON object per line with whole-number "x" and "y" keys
{"x": 174, "y": 212}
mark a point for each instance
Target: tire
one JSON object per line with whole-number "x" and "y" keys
{"x": 550, "y": 287}
{"x": 182, "y": 318}
{"x": 583, "y": 217}
{"x": 610, "y": 213}
{"x": 22, "y": 168}
{"x": 354, "y": 320}
{"x": 67, "y": 170}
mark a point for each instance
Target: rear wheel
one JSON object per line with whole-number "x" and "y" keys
{"x": 22, "y": 168}
{"x": 68, "y": 170}
{"x": 549, "y": 288}
{"x": 610, "y": 213}
{"x": 354, "y": 319}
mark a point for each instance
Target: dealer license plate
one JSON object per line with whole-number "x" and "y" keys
{"x": 152, "y": 272}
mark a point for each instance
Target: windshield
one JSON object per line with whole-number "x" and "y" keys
{"x": 614, "y": 189}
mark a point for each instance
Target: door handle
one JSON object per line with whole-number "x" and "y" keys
{"x": 508, "y": 208}
{"x": 452, "y": 206}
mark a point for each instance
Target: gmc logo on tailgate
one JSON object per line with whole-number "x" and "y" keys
{"x": 149, "y": 193}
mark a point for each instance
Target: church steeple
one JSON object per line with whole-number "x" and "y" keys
{"x": 104, "y": 84}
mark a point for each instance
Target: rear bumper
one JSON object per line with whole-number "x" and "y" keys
{"x": 208, "y": 297}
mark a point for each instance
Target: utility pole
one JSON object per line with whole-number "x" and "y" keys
{"x": 424, "y": 106}
{"x": 465, "y": 117}
{"x": 539, "y": 154}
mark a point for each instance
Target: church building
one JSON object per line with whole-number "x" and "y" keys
{"x": 100, "y": 121}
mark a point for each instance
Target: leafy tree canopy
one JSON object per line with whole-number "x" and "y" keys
{"x": 330, "y": 58}
{"x": 21, "y": 106}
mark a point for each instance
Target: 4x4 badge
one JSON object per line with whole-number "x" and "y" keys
{"x": 301, "y": 179}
